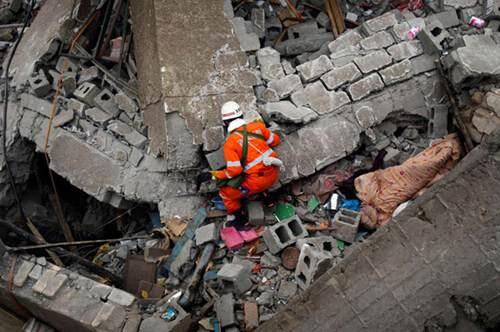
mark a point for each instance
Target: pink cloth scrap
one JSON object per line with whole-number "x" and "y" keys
{"x": 231, "y": 238}
{"x": 249, "y": 235}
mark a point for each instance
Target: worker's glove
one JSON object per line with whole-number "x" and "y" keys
{"x": 203, "y": 177}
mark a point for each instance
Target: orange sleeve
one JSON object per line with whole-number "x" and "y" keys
{"x": 272, "y": 139}
{"x": 232, "y": 155}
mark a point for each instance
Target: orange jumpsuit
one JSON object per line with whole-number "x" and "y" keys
{"x": 258, "y": 176}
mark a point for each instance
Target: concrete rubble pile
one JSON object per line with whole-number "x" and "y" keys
{"x": 135, "y": 130}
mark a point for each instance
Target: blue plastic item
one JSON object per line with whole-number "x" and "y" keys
{"x": 351, "y": 204}
{"x": 218, "y": 203}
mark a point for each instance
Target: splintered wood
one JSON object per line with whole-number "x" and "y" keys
{"x": 336, "y": 17}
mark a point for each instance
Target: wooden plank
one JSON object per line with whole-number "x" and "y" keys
{"x": 332, "y": 19}
{"x": 338, "y": 16}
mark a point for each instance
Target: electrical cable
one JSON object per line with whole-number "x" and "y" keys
{"x": 5, "y": 108}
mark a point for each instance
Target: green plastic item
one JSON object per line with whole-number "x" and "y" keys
{"x": 284, "y": 211}
{"x": 313, "y": 204}
{"x": 340, "y": 245}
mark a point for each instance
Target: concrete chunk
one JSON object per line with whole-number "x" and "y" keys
{"x": 105, "y": 101}
{"x": 125, "y": 103}
{"x": 235, "y": 277}
{"x": 87, "y": 92}
{"x": 348, "y": 39}
{"x": 38, "y": 105}
{"x": 339, "y": 76}
{"x": 433, "y": 37}
{"x": 286, "y": 86}
{"x": 224, "y": 308}
{"x": 272, "y": 72}
{"x": 311, "y": 265}
{"x": 377, "y": 41}
{"x": 312, "y": 70}
{"x": 268, "y": 56}
{"x": 54, "y": 285}
{"x": 40, "y": 84}
{"x": 373, "y": 61}
{"x": 64, "y": 117}
{"x": 406, "y": 50}
{"x": 323, "y": 243}
{"x": 396, "y": 73}
{"x": 22, "y": 273}
{"x": 324, "y": 101}
{"x": 365, "y": 86}
{"x": 130, "y": 134}
{"x": 380, "y": 23}
{"x": 423, "y": 63}
{"x": 98, "y": 116}
{"x": 285, "y": 111}
{"x": 121, "y": 297}
{"x": 42, "y": 283}
{"x": 206, "y": 233}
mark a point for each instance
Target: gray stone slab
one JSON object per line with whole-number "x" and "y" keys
{"x": 396, "y": 73}
{"x": 312, "y": 70}
{"x": 206, "y": 233}
{"x": 216, "y": 159}
{"x": 121, "y": 297}
{"x": 423, "y": 63}
{"x": 42, "y": 283}
{"x": 406, "y": 50}
{"x": 128, "y": 133}
{"x": 22, "y": 273}
{"x": 365, "y": 86}
{"x": 340, "y": 76}
{"x": 377, "y": 41}
{"x": 373, "y": 61}
{"x": 268, "y": 56}
{"x": 299, "y": 98}
{"x": 38, "y": 105}
{"x": 323, "y": 101}
{"x": 348, "y": 39}
{"x": 285, "y": 111}
{"x": 272, "y": 72}
{"x": 64, "y": 117}
{"x": 286, "y": 85}
{"x": 98, "y": 116}
{"x": 380, "y": 23}
{"x": 54, "y": 285}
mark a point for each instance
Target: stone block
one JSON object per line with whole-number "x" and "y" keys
{"x": 377, "y": 41}
{"x": 447, "y": 18}
{"x": 256, "y": 215}
{"x": 380, "y": 23}
{"x": 258, "y": 18}
{"x": 23, "y": 273}
{"x": 121, "y": 297}
{"x": 88, "y": 74}
{"x": 65, "y": 64}
{"x": 340, "y": 76}
{"x": 67, "y": 81}
{"x": 87, "y": 92}
{"x": 460, "y": 3}
{"x": 423, "y": 63}
{"x": 345, "y": 225}
{"x": 438, "y": 121}
{"x": 125, "y": 103}
{"x": 128, "y": 133}
{"x": 100, "y": 291}
{"x": 40, "y": 84}
{"x": 346, "y": 56}
{"x": 38, "y": 105}
{"x": 433, "y": 37}
{"x": 323, "y": 101}
{"x": 105, "y": 101}
{"x": 63, "y": 117}
{"x": 213, "y": 137}
{"x": 54, "y": 284}
{"x": 42, "y": 283}
{"x": 36, "y": 272}
{"x": 299, "y": 98}
{"x": 323, "y": 20}
{"x": 286, "y": 112}
{"x": 349, "y": 39}
{"x": 406, "y": 50}
{"x": 283, "y": 234}
{"x": 365, "y": 86}
{"x": 224, "y": 309}
{"x": 492, "y": 102}
{"x": 400, "y": 31}
{"x": 206, "y": 233}
{"x": 272, "y": 72}
{"x": 235, "y": 278}
{"x": 77, "y": 106}
{"x": 216, "y": 159}
{"x": 268, "y": 56}
{"x": 98, "y": 116}
{"x": 373, "y": 61}
{"x": 396, "y": 73}
{"x": 323, "y": 243}
{"x": 311, "y": 265}
{"x": 312, "y": 70}
{"x": 288, "y": 68}
{"x": 286, "y": 86}
{"x": 269, "y": 96}
{"x": 301, "y": 30}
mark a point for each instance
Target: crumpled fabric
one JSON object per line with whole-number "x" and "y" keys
{"x": 382, "y": 191}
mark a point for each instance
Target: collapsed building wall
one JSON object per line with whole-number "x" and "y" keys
{"x": 443, "y": 249}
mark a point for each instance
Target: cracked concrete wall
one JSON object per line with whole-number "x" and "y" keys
{"x": 445, "y": 244}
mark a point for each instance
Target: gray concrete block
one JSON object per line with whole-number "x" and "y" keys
{"x": 77, "y": 106}
{"x": 268, "y": 56}
{"x": 269, "y": 96}
{"x": 433, "y": 37}
{"x": 36, "y": 272}
{"x": 373, "y": 61}
{"x": 323, "y": 243}
{"x": 312, "y": 70}
{"x": 42, "y": 283}
{"x": 396, "y": 73}
{"x": 288, "y": 68}
{"x": 87, "y": 92}
{"x": 67, "y": 82}
{"x": 206, "y": 233}
{"x": 216, "y": 159}
{"x": 256, "y": 215}
{"x": 345, "y": 225}
{"x": 406, "y": 50}
{"x": 23, "y": 273}
{"x": 130, "y": 134}
{"x": 40, "y": 84}
{"x": 323, "y": 101}
{"x": 423, "y": 63}
{"x": 38, "y": 105}
{"x": 121, "y": 297}
{"x": 286, "y": 112}
{"x": 340, "y": 76}
{"x": 54, "y": 285}
{"x": 63, "y": 117}
{"x": 224, "y": 309}
{"x": 438, "y": 121}
{"x": 105, "y": 101}
{"x": 311, "y": 265}
{"x": 272, "y": 72}
{"x": 365, "y": 86}
{"x": 447, "y": 18}
{"x": 299, "y": 98}
{"x": 380, "y": 23}
{"x": 65, "y": 64}
{"x": 377, "y": 41}
{"x": 100, "y": 291}
{"x": 345, "y": 56}
{"x": 349, "y": 39}
{"x": 88, "y": 74}
{"x": 286, "y": 86}
{"x": 235, "y": 277}
{"x": 283, "y": 234}
{"x": 98, "y": 116}
{"x": 125, "y": 103}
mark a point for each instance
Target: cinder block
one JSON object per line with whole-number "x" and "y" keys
{"x": 438, "y": 121}
{"x": 87, "y": 92}
{"x": 88, "y": 74}
{"x": 345, "y": 225}
{"x": 40, "y": 84}
{"x": 283, "y": 234}
{"x": 105, "y": 101}
{"x": 433, "y": 36}
{"x": 207, "y": 233}
{"x": 77, "y": 106}
{"x": 68, "y": 82}
{"x": 324, "y": 243}
{"x": 311, "y": 265}
{"x": 65, "y": 65}
{"x": 256, "y": 214}
{"x": 235, "y": 277}
{"x": 224, "y": 308}
{"x": 98, "y": 116}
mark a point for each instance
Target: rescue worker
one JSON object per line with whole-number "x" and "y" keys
{"x": 247, "y": 172}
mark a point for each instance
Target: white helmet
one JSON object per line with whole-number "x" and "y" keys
{"x": 231, "y": 110}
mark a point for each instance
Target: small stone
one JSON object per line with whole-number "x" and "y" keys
{"x": 41, "y": 261}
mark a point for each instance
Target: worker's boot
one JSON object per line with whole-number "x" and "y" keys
{"x": 237, "y": 220}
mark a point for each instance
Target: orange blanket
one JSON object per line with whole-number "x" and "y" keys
{"x": 382, "y": 191}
